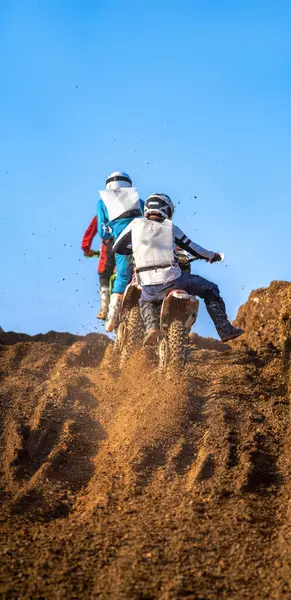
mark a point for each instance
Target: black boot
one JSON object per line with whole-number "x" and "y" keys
{"x": 150, "y": 313}
{"x": 217, "y": 312}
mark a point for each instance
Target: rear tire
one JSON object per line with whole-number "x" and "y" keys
{"x": 163, "y": 356}
{"x": 134, "y": 336}
{"x": 177, "y": 343}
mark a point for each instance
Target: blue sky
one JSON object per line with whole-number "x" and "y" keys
{"x": 191, "y": 98}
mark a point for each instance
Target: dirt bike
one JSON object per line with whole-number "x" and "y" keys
{"x": 130, "y": 328}
{"x": 130, "y": 331}
{"x": 177, "y": 316}
{"x": 178, "y": 313}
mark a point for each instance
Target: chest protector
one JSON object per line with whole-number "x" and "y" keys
{"x": 121, "y": 203}
{"x": 153, "y": 251}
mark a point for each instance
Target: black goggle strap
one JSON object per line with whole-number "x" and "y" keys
{"x": 118, "y": 178}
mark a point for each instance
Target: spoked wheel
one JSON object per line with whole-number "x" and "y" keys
{"x": 133, "y": 337}
{"x": 173, "y": 349}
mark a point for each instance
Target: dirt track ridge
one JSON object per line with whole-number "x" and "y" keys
{"x": 124, "y": 487}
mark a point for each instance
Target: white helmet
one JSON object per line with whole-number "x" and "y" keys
{"x": 117, "y": 180}
{"x": 160, "y": 204}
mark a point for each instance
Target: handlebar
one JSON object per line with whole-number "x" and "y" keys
{"x": 194, "y": 258}
{"x": 222, "y": 256}
{"x": 96, "y": 254}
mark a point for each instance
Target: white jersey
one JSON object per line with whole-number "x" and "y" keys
{"x": 153, "y": 250}
{"x": 121, "y": 203}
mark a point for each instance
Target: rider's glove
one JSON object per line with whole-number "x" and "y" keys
{"x": 88, "y": 252}
{"x": 215, "y": 258}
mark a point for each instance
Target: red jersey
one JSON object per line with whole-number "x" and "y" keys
{"x": 106, "y": 261}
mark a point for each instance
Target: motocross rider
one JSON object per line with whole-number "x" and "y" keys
{"x": 152, "y": 241}
{"x": 106, "y": 264}
{"x": 119, "y": 205}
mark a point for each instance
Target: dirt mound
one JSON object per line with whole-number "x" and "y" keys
{"x": 52, "y": 337}
{"x": 125, "y": 487}
{"x": 207, "y": 343}
{"x": 266, "y": 316}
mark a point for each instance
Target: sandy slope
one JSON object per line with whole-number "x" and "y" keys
{"x": 120, "y": 487}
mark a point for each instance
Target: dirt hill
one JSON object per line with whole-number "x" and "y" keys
{"x": 125, "y": 488}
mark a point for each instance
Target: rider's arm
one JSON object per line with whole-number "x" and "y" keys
{"x": 184, "y": 242}
{"x": 123, "y": 244}
{"x": 103, "y": 220}
{"x": 89, "y": 235}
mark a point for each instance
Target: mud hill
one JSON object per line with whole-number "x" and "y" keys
{"x": 125, "y": 488}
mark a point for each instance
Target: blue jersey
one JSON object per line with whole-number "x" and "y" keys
{"x": 117, "y": 226}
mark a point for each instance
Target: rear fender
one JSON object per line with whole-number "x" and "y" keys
{"x": 179, "y": 305}
{"x": 131, "y": 297}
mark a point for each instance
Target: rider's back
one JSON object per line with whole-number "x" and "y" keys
{"x": 153, "y": 251}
